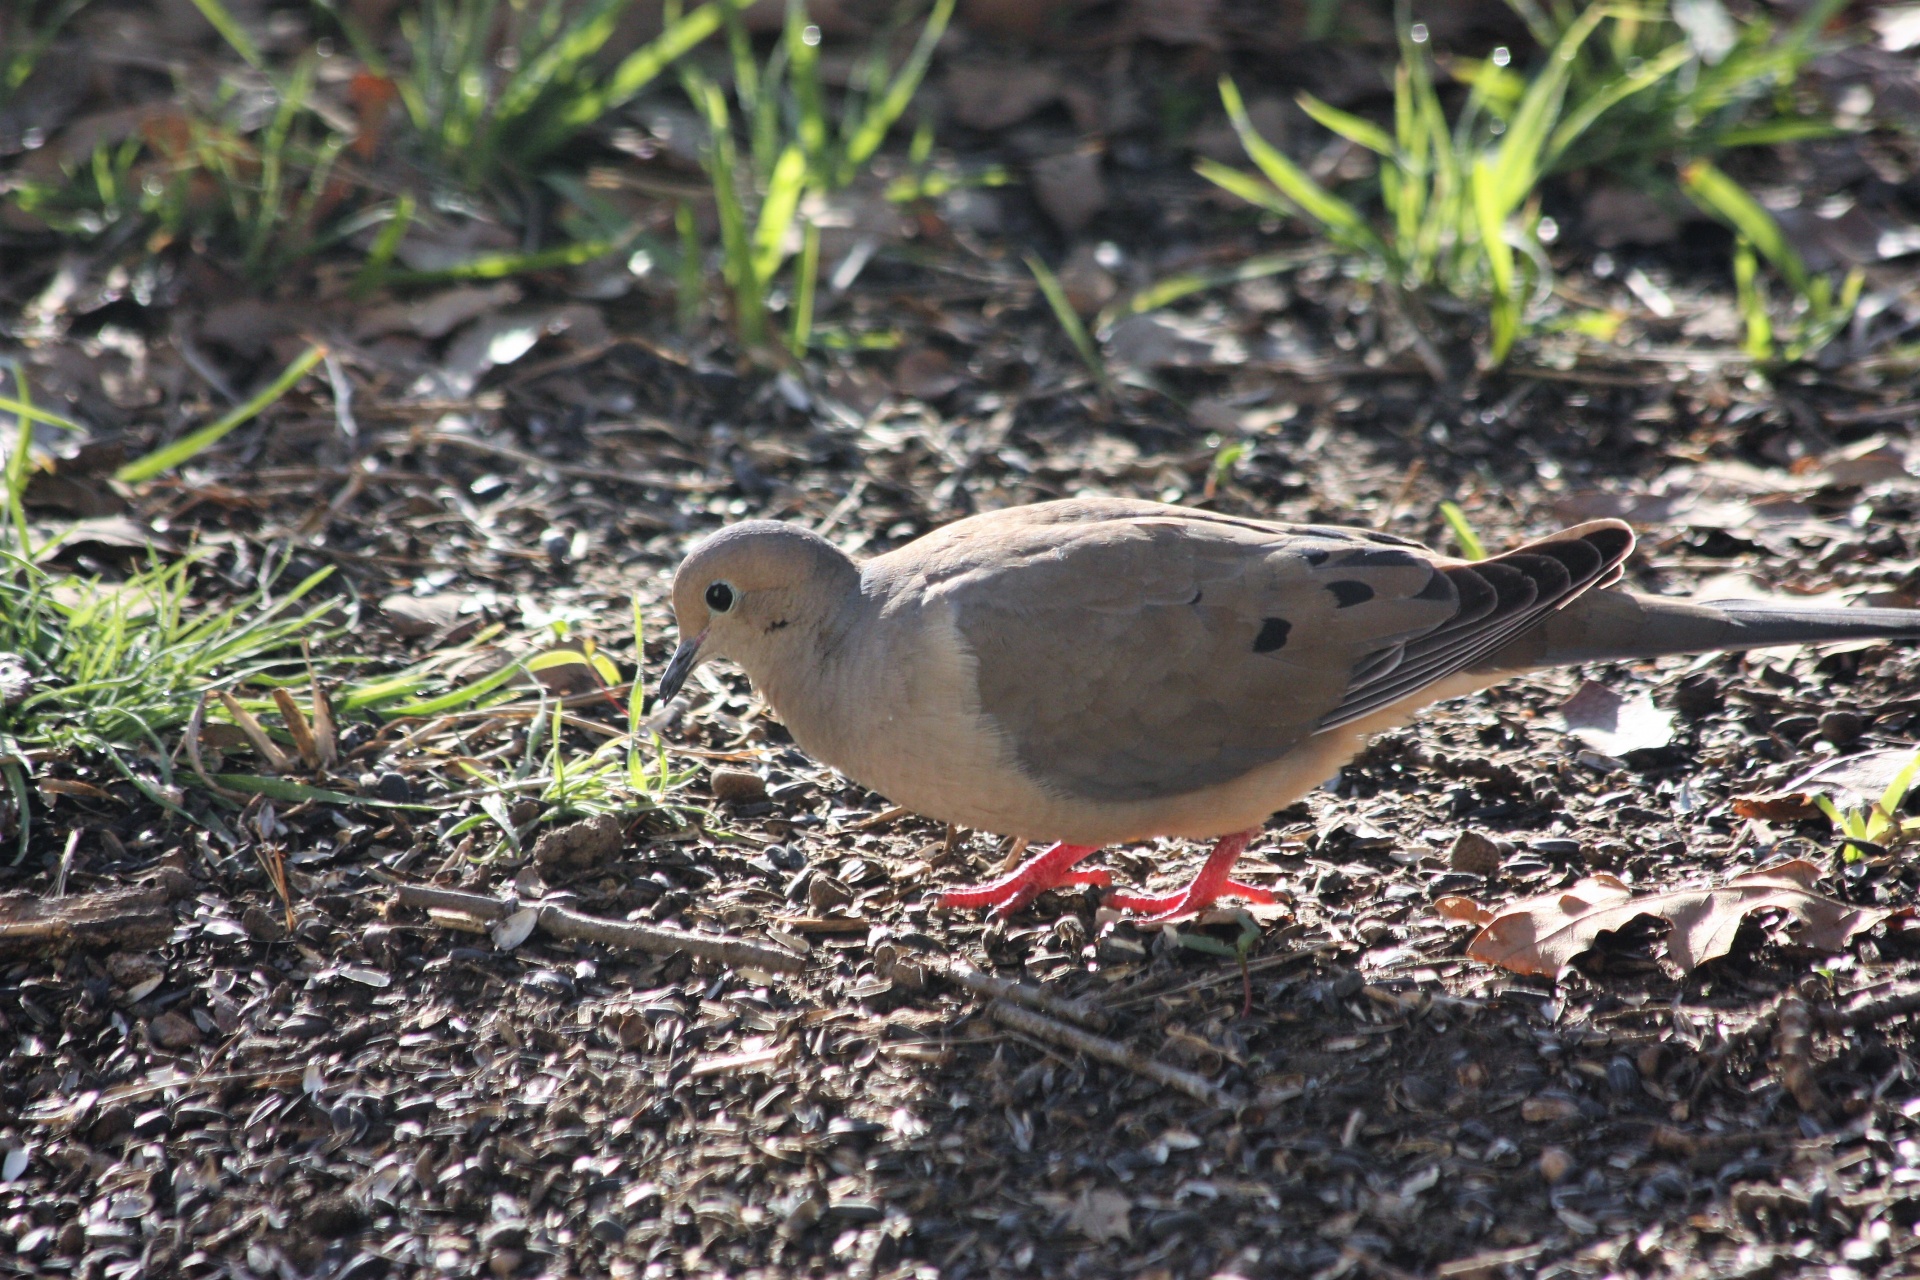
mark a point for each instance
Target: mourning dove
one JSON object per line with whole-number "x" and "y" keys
{"x": 1100, "y": 670}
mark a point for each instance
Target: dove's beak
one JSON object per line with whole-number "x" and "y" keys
{"x": 679, "y": 667}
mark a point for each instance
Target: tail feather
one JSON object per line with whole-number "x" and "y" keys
{"x": 1614, "y": 625}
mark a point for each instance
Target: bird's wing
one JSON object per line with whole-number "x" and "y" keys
{"x": 1139, "y": 651}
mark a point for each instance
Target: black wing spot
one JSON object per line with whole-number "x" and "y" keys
{"x": 1273, "y": 635}
{"x": 776, "y": 625}
{"x": 1315, "y": 556}
{"x": 1197, "y": 593}
{"x": 1347, "y": 593}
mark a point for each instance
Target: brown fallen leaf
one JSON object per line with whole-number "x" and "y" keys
{"x": 1540, "y": 936}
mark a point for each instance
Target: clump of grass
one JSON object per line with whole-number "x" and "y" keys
{"x": 1461, "y": 200}
{"x": 492, "y": 90}
{"x": 1818, "y": 311}
{"x": 775, "y": 144}
{"x": 1732, "y": 85}
{"x": 1869, "y": 829}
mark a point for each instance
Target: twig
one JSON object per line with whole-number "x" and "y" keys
{"x": 564, "y": 923}
{"x": 1041, "y": 1027}
{"x": 985, "y": 984}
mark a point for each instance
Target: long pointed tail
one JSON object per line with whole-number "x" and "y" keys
{"x": 1612, "y": 625}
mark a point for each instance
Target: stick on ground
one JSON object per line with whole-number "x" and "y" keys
{"x": 1041, "y": 1027}
{"x": 561, "y": 922}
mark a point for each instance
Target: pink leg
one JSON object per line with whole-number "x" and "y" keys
{"x": 1211, "y": 883}
{"x": 1049, "y": 870}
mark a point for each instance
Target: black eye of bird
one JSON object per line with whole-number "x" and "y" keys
{"x": 719, "y": 597}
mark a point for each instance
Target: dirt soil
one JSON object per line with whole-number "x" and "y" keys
{"x": 201, "y": 1081}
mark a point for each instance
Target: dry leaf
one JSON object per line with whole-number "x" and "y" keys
{"x": 1101, "y": 1216}
{"x": 1608, "y": 722}
{"x": 1540, "y": 936}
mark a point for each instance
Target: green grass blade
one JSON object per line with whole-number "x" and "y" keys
{"x": 1751, "y": 301}
{"x": 635, "y": 72}
{"x": 21, "y": 409}
{"x": 806, "y": 284}
{"x": 1340, "y": 219}
{"x": 170, "y": 456}
{"x": 881, "y": 116}
{"x": 1069, "y": 318}
{"x": 1724, "y": 198}
{"x": 803, "y": 72}
{"x": 1582, "y": 117}
{"x": 557, "y": 62}
{"x": 1522, "y": 149}
{"x": 499, "y": 266}
{"x": 1490, "y": 214}
{"x": 231, "y": 31}
{"x": 1471, "y": 547}
{"x": 776, "y": 213}
{"x": 373, "y": 272}
{"x": 1349, "y": 126}
{"x": 454, "y": 699}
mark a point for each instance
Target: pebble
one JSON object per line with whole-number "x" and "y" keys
{"x": 173, "y": 1032}
{"x": 1555, "y": 1164}
{"x": 1842, "y": 728}
{"x": 1474, "y": 853}
{"x": 1555, "y": 847}
{"x": 737, "y": 786}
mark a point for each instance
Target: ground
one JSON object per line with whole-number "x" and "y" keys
{"x": 220, "y": 1080}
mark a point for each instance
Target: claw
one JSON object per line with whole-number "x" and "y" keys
{"x": 1051, "y": 869}
{"x": 1210, "y": 885}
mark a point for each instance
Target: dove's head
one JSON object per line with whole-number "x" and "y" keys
{"x": 760, "y": 593}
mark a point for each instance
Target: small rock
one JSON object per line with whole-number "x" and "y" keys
{"x": 524, "y": 813}
{"x": 393, "y": 787}
{"x": 1555, "y": 847}
{"x": 738, "y": 786}
{"x": 785, "y": 856}
{"x": 172, "y": 1032}
{"x": 580, "y": 844}
{"x": 824, "y": 894}
{"x": 131, "y": 968}
{"x": 1474, "y": 853}
{"x": 1842, "y": 728}
{"x": 1555, "y": 1164}
{"x": 263, "y": 925}
{"x": 1548, "y": 1108}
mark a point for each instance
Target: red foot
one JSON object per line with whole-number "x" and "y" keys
{"x": 1212, "y": 883}
{"x": 1049, "y": 870}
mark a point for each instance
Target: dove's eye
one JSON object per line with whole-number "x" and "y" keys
{"x": 720, "y": 597}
